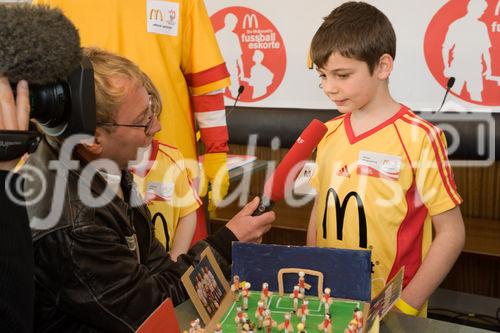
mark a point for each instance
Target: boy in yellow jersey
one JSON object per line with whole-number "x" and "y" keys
{"x": 383, "y": 177}
{"x": 168, "y": 191}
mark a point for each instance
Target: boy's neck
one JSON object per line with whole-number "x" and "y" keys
{"x": 380, "y": 109}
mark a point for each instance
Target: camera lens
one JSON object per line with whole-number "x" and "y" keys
{"x": 50, "y": 104}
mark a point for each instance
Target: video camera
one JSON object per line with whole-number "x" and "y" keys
{"x": 61, "y": 109}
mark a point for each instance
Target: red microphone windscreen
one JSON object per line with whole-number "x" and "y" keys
{"x": 291, "y": 164}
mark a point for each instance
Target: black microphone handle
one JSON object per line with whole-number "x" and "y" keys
{"x": 444, "y": 99}
{"x": 240, "y": 91}
{"x": 264, "y": 207}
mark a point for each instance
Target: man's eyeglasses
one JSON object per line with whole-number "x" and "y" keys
{"x": 147, "y": 127}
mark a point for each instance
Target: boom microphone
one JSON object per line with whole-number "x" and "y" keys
{"x": 37, "y": 44}
{"x": 274, "y": 188}
{"x": 240, "y": 91}
{"x": 40, "y": 45}
{"x": 449, "y": 85}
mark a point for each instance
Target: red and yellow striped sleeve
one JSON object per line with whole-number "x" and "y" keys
{"x": 434, "y": 177}
{"x": 207, "y": 77}
{"x": 210, "y": 115}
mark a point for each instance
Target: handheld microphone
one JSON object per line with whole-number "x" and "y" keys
{"x": 449, "y": 85}
{"x": 274, "y": 188}
{"x": 40, "y": 45}
{"x": 240, "y": 91}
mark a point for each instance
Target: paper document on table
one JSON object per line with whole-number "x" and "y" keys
{"x": 235, "y": 161}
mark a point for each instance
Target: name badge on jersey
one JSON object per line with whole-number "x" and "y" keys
{"x": 301, "y": 185}
{"x": 156, "y": 191}
{"x": 162, "y": 17}
{"x": 379, "y": 165}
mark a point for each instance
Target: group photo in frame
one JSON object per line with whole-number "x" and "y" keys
{"x": 206, "y": 285}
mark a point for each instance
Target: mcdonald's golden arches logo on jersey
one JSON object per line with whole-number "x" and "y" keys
{"x": 162, "y": 17}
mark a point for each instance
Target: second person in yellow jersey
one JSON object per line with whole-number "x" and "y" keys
{"x": 173, "y": 43}
{"x": 169, "y": 194}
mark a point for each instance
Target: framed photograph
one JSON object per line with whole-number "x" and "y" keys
{"x": 206, "y": 285}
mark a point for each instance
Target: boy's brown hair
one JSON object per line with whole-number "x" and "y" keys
{"x": 356, "y": 30}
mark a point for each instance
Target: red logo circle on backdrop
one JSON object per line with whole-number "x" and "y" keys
{"x": 463, "y": 41}
{"x": 253, "y": 50}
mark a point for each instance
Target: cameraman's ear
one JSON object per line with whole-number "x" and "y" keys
{"x": 93, "y": 145}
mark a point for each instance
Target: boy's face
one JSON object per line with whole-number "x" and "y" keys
{"x": 348, "y": 82}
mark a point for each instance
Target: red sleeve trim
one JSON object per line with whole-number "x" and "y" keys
{"x": 207, "y": 76}
{"x": 438, "y": 132}
{"x": 206, "y": 103}
{"x": 447, "y": 180}
{"x": 404, "y": 148}
{"x": 215, "y": 139}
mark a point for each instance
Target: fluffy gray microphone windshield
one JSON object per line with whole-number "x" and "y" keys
{"x": 37, "y": 44}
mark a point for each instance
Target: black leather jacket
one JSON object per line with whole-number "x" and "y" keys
{"x": 101, "y": 269}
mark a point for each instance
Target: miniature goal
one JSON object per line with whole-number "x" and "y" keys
{"x": 296, "y": 271}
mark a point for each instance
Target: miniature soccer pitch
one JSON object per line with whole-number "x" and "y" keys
{"x": 341, "y": 312}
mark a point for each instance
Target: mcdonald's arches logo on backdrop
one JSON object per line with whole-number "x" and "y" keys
{"x": 250, "y": 21}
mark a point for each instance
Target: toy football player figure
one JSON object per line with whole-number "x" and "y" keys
{"x": 327, "y": 300}
{"x": 245, "y": 293}
{"x": 301, "y": 328}
{"x": 259, "y": 314}
{"x": 194, "y": 326}
{"x": 296, "y": 295}
{"x": 303, "y": 312}
{"x": 352, "y": 327}
{"x": 218, "y": 328}
{"x": 235, "y": 288}
{"x": 265, "y": 293}
{"x": 302, "y": 283}
{"x": 358, "y": 316}
{"x": 286, "y": 326}
{"x": 240, "y": 319}
{"x": 326, "y": 325}
{"x": 248, "y": 327}
{"x": 269, "y": 323}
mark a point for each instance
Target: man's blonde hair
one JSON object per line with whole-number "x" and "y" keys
{"x": 107, "y": 66}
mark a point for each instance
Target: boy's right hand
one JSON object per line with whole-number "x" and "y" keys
{"x": 248, "y": 228}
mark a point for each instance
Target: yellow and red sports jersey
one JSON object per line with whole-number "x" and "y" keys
{"x": 173, "y": 42}
{"x": 378, "y": 191}
{"x": 167, "y": 190}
